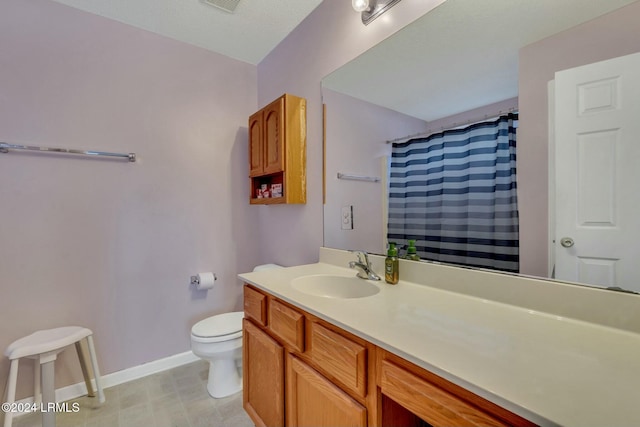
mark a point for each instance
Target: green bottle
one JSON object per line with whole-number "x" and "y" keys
{"x": 391, "y": 265}
{"x": 412, "y": 252}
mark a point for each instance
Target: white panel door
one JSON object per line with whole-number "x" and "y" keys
{"x": 597, "y": 138}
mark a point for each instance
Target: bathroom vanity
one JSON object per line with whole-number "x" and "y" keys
{"x": 366, "y": 353}
{"x": 309, "y": 372}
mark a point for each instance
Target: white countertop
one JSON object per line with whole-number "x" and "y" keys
{"x": 549, "y": 369}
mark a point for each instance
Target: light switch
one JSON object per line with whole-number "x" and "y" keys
{"x": 347, "y": 217}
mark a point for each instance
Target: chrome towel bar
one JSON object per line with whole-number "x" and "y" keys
{"x": 358, "y": 177}
{"x": 5, "y": 147}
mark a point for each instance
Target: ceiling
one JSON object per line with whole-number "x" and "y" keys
{"x": 248, "y": 34}
{"x": 460, "y": 56}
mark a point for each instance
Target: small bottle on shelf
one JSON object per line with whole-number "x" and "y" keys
{"x": 391, "y": 265}
{"x": 412, "y": 252}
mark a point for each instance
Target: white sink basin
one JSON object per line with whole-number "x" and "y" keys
{"x": 331, "y": 286}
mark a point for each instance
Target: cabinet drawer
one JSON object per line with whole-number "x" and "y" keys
{"x": 255, "y": 305}
{"x": 287, "y": 324}
{"x": 428, "y": 401}
{"x": 340, "y": 357}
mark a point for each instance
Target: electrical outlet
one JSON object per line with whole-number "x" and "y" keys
{"x": 347, "y": 218}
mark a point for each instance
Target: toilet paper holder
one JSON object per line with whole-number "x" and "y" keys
{"x": 195, "y": 280}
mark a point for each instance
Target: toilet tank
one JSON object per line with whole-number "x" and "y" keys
{"x": 266, "y": 267}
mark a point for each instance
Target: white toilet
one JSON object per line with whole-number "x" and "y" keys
{"x": 218, "y": 339}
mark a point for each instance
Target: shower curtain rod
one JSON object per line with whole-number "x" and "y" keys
{"x": 5, "y": 147}
{"x": 454, "y": 124}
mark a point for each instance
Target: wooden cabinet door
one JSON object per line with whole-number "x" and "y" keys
{"x": 255, "y": 145}
{"x": 263, "y": 376}
{"x": 314, "y": 401}
{"x": 273, "y": 136}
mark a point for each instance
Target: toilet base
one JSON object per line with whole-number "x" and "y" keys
{"x": 224, "y": 378}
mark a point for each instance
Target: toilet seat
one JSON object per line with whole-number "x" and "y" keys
{"x": 218, "y": 328}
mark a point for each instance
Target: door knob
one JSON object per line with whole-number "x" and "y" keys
{"x": 566, "y": 242}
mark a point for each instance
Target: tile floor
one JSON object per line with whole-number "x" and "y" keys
{"x": 174, "y": 398}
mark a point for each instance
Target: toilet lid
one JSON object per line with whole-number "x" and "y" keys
{"x": 219, "y": 325}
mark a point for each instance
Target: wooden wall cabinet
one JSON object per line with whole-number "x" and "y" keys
{"x": 277, "y": 150}
{"x": 332, "y": 378}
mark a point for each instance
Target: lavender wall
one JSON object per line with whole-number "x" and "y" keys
{"x": 356, "y": 136}
{"x": 609, "y": 36}
{"x": 330, "y": 36}
{"x": 104, "y": 243}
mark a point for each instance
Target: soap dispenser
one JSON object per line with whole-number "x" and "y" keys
{"x": 412, "y": 252}
{"x": 391, "y": 265}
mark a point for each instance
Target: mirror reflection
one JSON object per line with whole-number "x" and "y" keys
{"x": 458, "y": 65}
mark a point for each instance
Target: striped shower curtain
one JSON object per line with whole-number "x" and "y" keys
{"x": 454, "y": 192}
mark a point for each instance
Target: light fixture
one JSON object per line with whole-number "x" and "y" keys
{"x": 371, "y": 9}
{"x": 360, "y": 5}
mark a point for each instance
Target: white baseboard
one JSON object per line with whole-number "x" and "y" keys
{"x": 76, "y": 390}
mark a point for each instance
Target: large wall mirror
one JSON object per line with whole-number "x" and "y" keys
{"x": 462, "y": 62}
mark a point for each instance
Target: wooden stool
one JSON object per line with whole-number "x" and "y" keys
{"x": 44, "y": 346}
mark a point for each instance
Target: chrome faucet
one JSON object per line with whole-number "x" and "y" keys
{"x": 363, "y": 266}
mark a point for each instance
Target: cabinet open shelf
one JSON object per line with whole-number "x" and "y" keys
{"x": 269, "y": 182}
